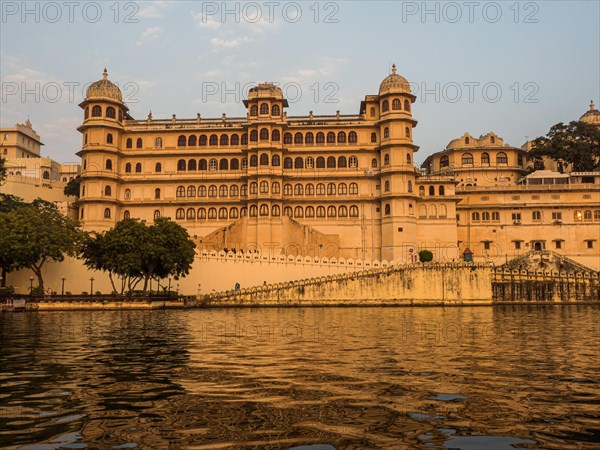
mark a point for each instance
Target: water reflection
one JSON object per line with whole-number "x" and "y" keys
{"x": 318, "y": 379}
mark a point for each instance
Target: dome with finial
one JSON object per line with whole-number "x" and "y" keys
{"x": 104, "y": 89}
{"x": 394, "y": 84}
{"x": 592, "y": 116}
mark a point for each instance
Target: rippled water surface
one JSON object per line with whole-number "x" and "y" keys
{"x": 316, "y": 379}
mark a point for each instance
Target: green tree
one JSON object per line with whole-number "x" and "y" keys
{"x": 72, "y": 187}
{"x": 425, "y": 256}
{"x": 132, "y": 252}
{"x": 576, "y": 144}
{"x": 2, "y": 169}
{"x": 32, "y": 235}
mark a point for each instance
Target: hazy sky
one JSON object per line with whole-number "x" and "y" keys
{"x": 512, "y": 67}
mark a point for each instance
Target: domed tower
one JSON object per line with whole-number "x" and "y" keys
{"x": 102, "y": 130}
{"x": 398, "y": 199}
{"x": 592, "y": 116}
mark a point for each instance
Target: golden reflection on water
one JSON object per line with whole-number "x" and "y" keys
{"x": 333, "y": 378}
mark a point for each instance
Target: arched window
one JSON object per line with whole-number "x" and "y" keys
{"x": 254, "y": 187}
{"x": 287, "y": 211}
{"x": 127, "y": 194}
{"x": 386, "y": 159}
{"x": 158, "y": 143}
{"x": 386, "y": 132}
{"x": 275, "y": 211}
{"x": 158, "y": 167}
{"x": 373, "y": 137}
{"x": 224, "y": 140}
{"x": 287, "y": 138}
{"x": 264, "y": 159}
{"x": 192, "y": 164}
{"x": 107, "y": 213}
{"x": 298, "y": 189}
{"x": 96, "y": 111}
{"x": 387, "y": 186}
{"x": 275, "y": 110}
{"x": 410, "y": 189}
{"x": 353, "y": 189}
{"x": 320, "y": 138}
{"x": 235, "y": 139}
{"x": 431, "y": 190}
{"x": 331, "y": 189}
{"x": 320, "y": 162}
{"x": 234, "y": 191}
{"x": 192, "y": 140}
{"x": 475, "y": 216}
{"x": 442, "y": 190}
{"x": 320, "y": 189}
{"x": 275, "y": 161}
{"x": 353, "y": 162}
{"x": 223, "y": 213}
{"x": 342, "y": 189}
{"x": 128, "y": 168}
{"x": 181, "y": 165}
{"x": 388, "y": 209}
{"x": 352, "y": 137}
{"x": 467, "y": 141}
{"x": 224, "y": 164}
{"x": 536, "y": 216}
{"x": 298, "y": 212}
{"x": 287, "y": 189}
{"x": 156, "y": 214}
{"x": 107, "y": 191}
{"x": 264, "y": 108}
{"x": 109, "y": 164}
{"x": 408, "y": 159}
{"x": 181, "y": 141}
{"x": 212, "y": 191}
{"x": 372, "y": 111}
{"x": 202, "y": 140}
{"x": 276, "y": 187}
{"x": 493, "y": 140}
{"x": 406, "y": 105}
{"x": 191, "y": 191}
{"x": 495, "y": 216}
{"x": 587, "y": 215}
{"x": 275, "y": 136}
{"x": 244, "y": 140}
{"x": 202, "y": 164}
{"x": 485, "y": 159}
{"x": 212, "y": 213}
{"x": 341, "y": 137}
{"x": 110, "y": 112}
{"x": 343, "y": 211}
{"x": 233, "y": 213}
{"x": 298, "y": 138}
{"x": 201, "y": 214}
{"x": 129, "y": 143}
{"x": 331, "y": 137}
{"x": 223, "y": 191}
{"x": 320, "y": 211}
{"x": 180, "y": 192}
{"x": 264, "y": 134}
{"x": 180, "y": 214}
{"x": 501, "y": 158}
{"x": 264, "y": 187}
{"x": 354, "y": 211}
{"x": 444, "y": 161}
{"x": 309, "y": 138}
{"x": 287, "y": 163}
{"x": 310, "y": 162}
{"x": 109, "y": 138}
{"x": 156, "y": 193}
{"x": 254, "y": 110}
{"x": 396, "y": 104}
{"x": 138, "y": 168}
{"x": 213, "y": 140}
{"x": 407, "y": 132}
{"x": 138, "y": 143}
{"x": 298, "y": 163}
{"x": 235, "y": 164}
{"x": 191, "y": 214}
{"x": 253, "y": 136}
{"x": 212, "y": 164}
{"x": 201, "y": 191}
{"x": 244, "y": 163}
{"x": 385, "y": 106}
{"x": 421, "y": 190}
{"x": 331, "y": 162}
{"x": 342, "y": 162}
{"x": 310, "y": 212}
{"x": 126, "y": 215}
{"x": 253, "y": 211}
{"x": 264, "y": 210}
{"x": 374, "y": 163}
{"x": 467, "y": 159}
{"x": 253, "y": 161}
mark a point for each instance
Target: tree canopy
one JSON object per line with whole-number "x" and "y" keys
{"x": 133, "y": 252}
{"x": 425, "y": 256}
{"x": 2, "y": 169}
{"x": 72, "y": 187}
{"x": 32, "y": 234}
{"x": 576, "y": 144}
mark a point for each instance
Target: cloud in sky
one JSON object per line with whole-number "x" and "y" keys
{"x": 230, "y": 43}
{"x": 150, "y": 34}
{"x": 153, "y": 10}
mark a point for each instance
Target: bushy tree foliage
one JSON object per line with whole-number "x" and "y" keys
{"x": 576, "y": 144}
{"x": 2, "y": 169}
{"x": 425, "y": 256}
{"x": 72, "y": 187}
{"x": 132, "y": 252}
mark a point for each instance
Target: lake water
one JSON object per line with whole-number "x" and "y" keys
{"x": 318, "y": 379}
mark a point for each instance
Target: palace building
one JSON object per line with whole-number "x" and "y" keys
{"x": 341, "y": 186}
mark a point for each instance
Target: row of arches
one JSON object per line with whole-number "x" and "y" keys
{"x": 264, "y": 109}
{"x": 431, "y": 190}
{"x": 110, "y": 112}
{"x": 309, "y": 162}
{"x": 467, "y": 159}
{"x": 263, "y": 210}
{"x": 396, "y": 106}
{"x": 433, "y": 211}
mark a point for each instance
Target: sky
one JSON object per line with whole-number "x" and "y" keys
{"x": 515, "y": 68}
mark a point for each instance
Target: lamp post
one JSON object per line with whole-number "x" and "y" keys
{"x": 63, "y": 286}
{"x": 91, "y": 286}
{"x": 30, "y": 286}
